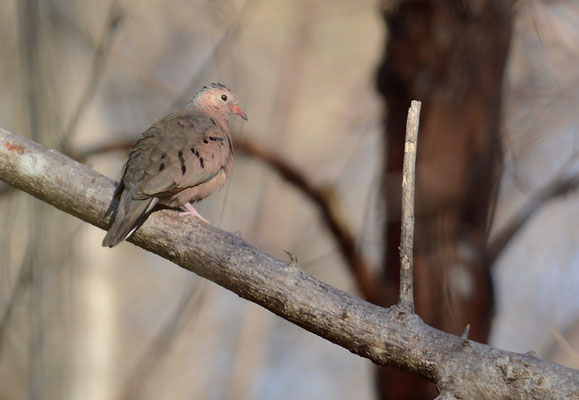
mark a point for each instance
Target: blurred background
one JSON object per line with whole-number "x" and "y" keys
{"x": 326, "y": 86}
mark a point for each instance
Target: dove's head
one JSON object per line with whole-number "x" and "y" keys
{"x": 217, "y": 100}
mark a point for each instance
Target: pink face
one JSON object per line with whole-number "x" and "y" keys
{"x": 225, "y": 99}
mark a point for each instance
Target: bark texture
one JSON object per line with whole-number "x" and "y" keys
{"x": 388, "y": 337}
{"x": 451, "y": 56}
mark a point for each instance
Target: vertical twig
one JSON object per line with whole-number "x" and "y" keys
{"x": 406, "y": 299}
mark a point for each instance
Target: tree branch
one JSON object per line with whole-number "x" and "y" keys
{"x": 504, "y": 237}
{"x": 330, "y": 208}
{"x": 406, "y": 298}
{"x": 386, "y": 336}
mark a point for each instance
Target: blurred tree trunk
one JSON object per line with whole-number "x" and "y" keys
{"x": 450, "y": 55}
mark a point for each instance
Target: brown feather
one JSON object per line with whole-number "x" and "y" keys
{"x": 184, "y": 157}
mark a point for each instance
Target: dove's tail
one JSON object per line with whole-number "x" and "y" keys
{"x": 130, "y": 215}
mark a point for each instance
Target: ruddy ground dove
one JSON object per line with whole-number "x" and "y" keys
{"x": 184, "y": 157}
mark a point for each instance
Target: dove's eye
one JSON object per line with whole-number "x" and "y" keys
{"x": 223, "y": 97}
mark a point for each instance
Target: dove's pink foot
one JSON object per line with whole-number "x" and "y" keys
{"x": 188, "y": 209}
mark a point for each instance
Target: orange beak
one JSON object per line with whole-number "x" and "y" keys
{"x": 238, "y": 111}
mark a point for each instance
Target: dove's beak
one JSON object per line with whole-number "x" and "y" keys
{"x": 238, "y": 111}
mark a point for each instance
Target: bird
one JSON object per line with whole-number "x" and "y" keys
{"x": 182, "y": 158}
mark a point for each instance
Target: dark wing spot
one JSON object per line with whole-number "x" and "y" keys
{"x": 205, "y": 140}
{"x": 196, "y": 154}
{"x": 163, "y": 156}
{"x": 213, "y": 156}
{"x": 161, "y": 167}
{"x": 202, "y": 162}
{"x": 193, "y": 150}
{"x": 215, "y": 139}
{"x": 182, "y": 161}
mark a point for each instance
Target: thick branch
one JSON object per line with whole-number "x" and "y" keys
{"x": 385, "y": 336}
{"x": 406, "y": 299}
